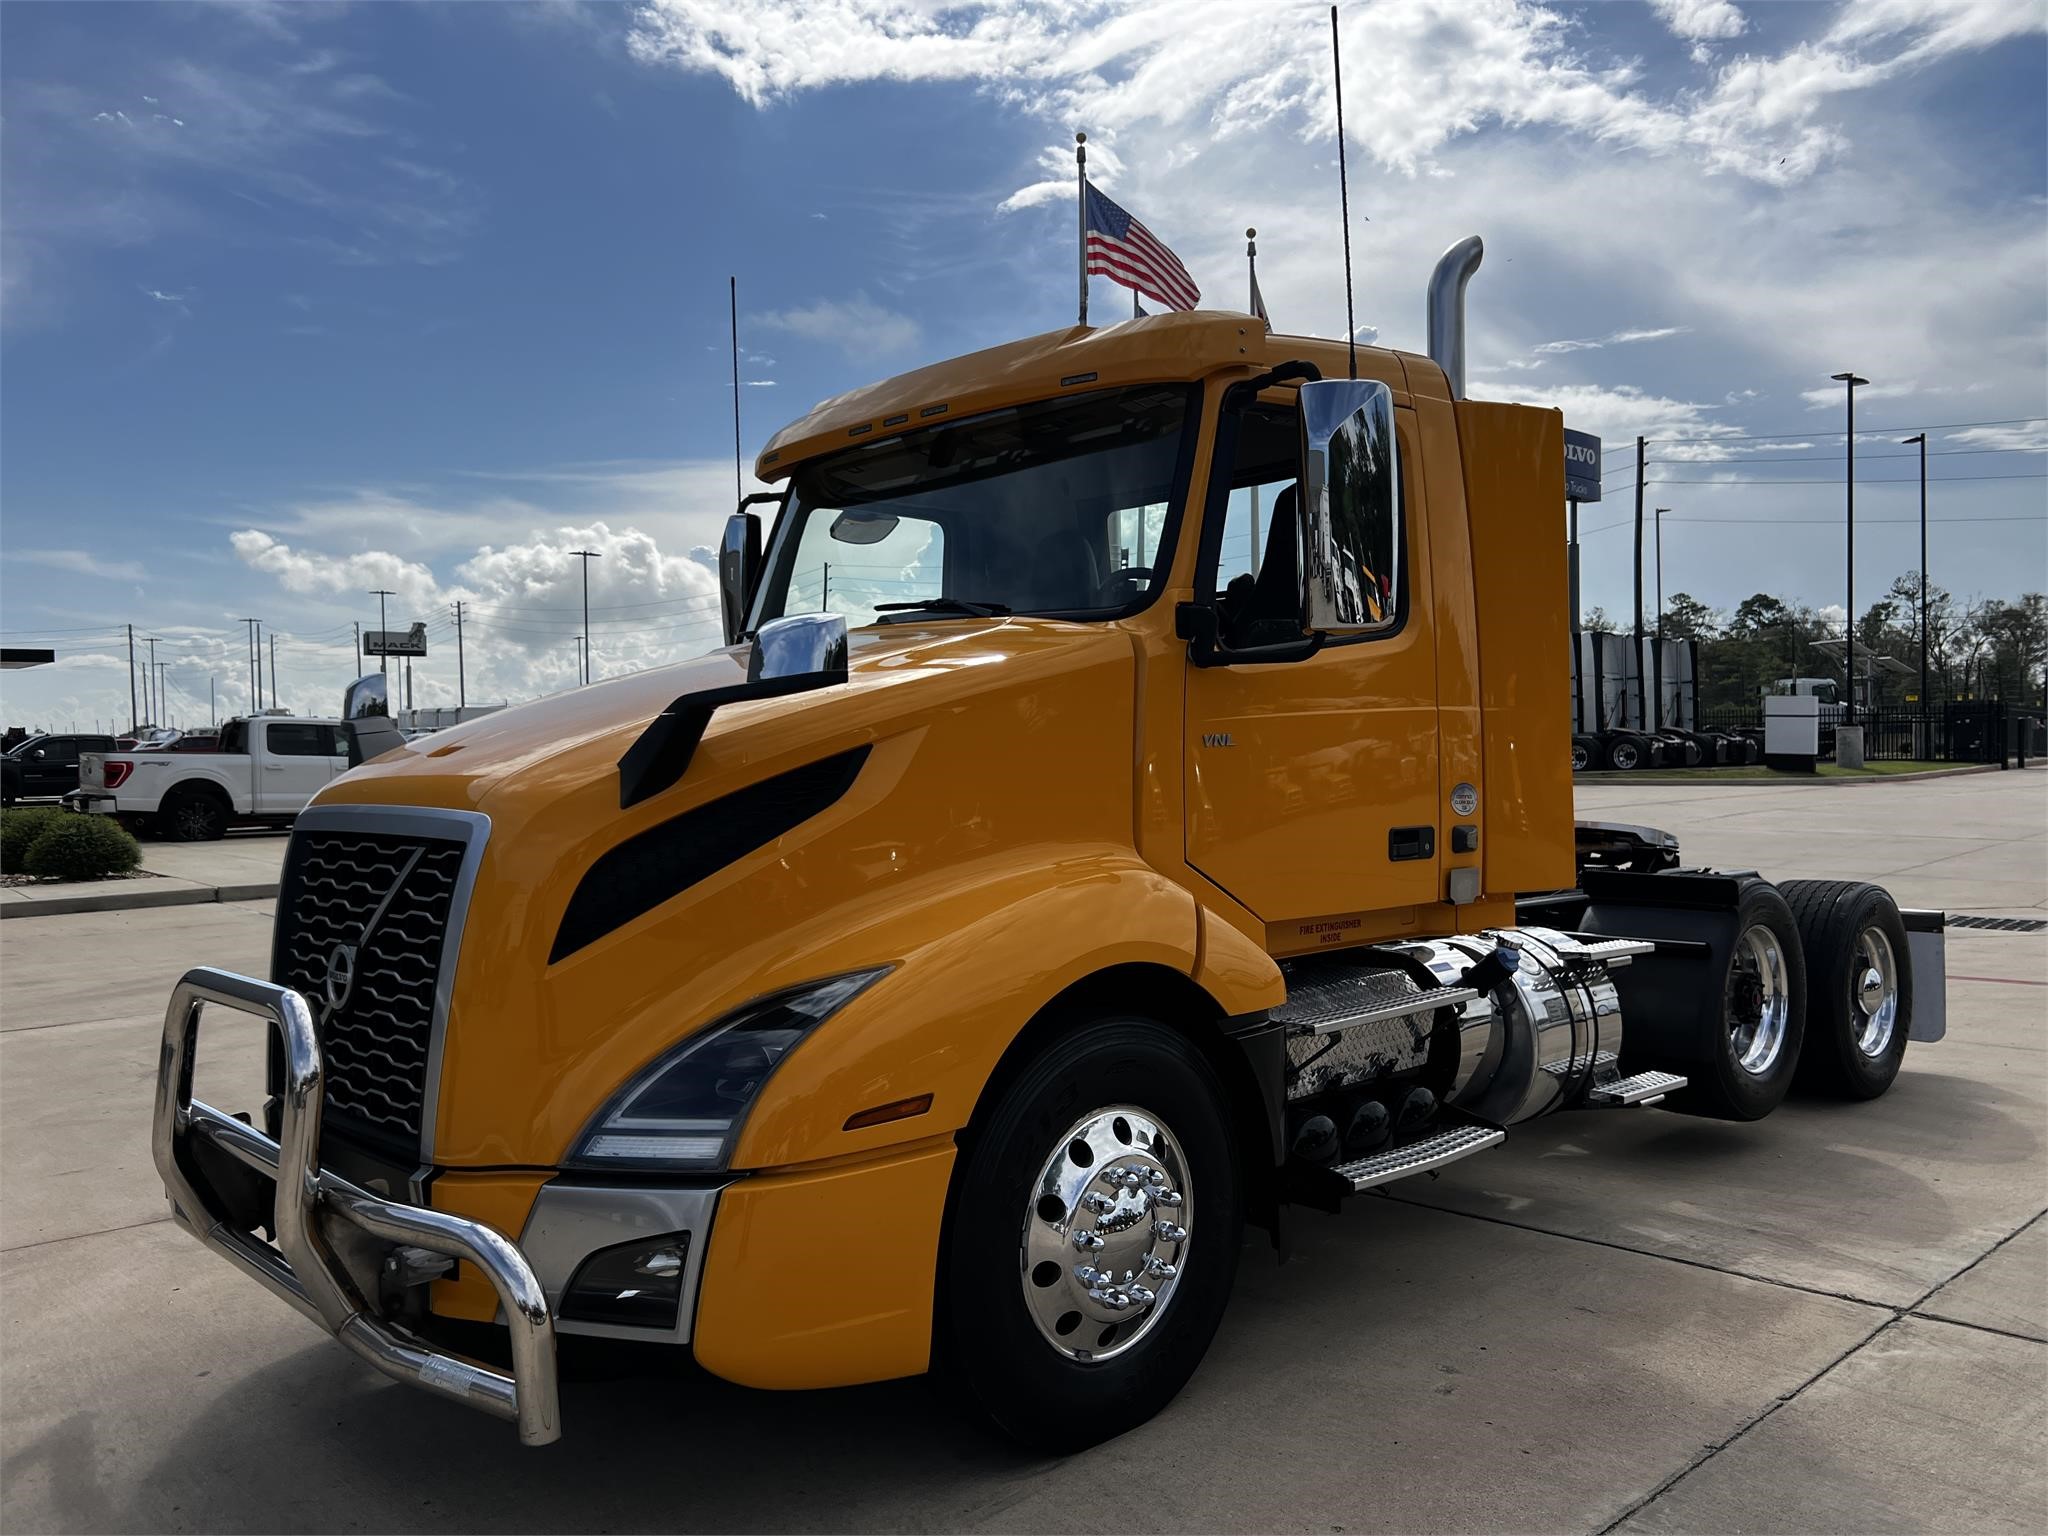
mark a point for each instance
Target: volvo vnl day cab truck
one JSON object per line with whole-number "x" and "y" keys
{"x": 1032, "y": 892}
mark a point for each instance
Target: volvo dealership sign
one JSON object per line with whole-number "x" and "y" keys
{"x": 1581, "y": 466}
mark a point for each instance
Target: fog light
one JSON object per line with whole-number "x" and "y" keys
{"x": 635, "y": 1285}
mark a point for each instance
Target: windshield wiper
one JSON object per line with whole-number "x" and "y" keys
{"x": 947, "y": 605}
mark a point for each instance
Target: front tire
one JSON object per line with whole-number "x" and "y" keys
{"x": 1069, "y": 1311}
{"x": 1859, "y": 1010}
{"x": 1624, "y": 754}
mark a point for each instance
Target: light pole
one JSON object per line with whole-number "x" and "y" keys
{"x": 1657, "y": 524}
{"x": 149, "y": 683}
{"x": 384, "y": 661}
{"x": 1926, "y": 699}
{"x": 586, "y": 556}
{"x": 1850, "y": 381}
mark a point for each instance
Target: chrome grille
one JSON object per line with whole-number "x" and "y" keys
{"x": 392, "y": 898}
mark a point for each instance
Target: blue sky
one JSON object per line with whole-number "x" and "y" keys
{"x": 304, "y": 300}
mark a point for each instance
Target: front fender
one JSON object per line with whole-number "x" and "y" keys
{"x": 972, "y": 974}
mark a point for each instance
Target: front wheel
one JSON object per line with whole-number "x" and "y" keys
{"x": 1095, "y": 1223}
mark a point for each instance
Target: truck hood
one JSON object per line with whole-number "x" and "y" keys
{"x": 566, "y": 739}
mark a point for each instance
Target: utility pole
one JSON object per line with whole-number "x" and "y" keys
{"x": 133, "y": 721}
{"x": 273, "y": 669}
{"x": 255, "y": 693}
{"x": 461, "y": 696}
{"x": 380, "y": 593}
{"x": 1926, "y": 698}
{"x": 586, "y": 556}
{"x": 1642, "y": 682}
{"x": 358, "y": 623}
{"x": 1658, "y": 527}
{"x": 149, "y": 680}
{"x": 1850, "y": 381}
{"x": 212, "y": 707}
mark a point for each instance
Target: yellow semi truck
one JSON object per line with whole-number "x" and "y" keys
{"x": 1132, "y": 803}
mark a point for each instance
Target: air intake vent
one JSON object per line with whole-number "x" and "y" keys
{"x": 651, "y": 867}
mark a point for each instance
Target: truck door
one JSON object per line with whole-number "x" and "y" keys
{"x": 1311, "y": 784}
{"x": 294, "y": 764}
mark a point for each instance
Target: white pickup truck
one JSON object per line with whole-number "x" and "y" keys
{"x": 267, "y": 768}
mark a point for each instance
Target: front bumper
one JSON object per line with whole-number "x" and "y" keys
{"x": 331, "y": 1237}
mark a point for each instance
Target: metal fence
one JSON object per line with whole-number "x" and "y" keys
{"x": 1977, "y": 731}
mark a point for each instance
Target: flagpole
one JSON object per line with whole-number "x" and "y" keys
{"x": 1081, "y": 213}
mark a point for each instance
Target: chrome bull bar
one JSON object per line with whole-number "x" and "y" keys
{"x": 303, "y": 1268}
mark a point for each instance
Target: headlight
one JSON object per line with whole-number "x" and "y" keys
{"x": 685, "y": 1110}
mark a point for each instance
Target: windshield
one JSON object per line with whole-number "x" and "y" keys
{"x": 1058, "y": 507}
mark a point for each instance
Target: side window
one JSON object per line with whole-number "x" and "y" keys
{"x": 848, "y": 562}
{"x": 1258, "y": 562}
{"x": 284, "y": 739}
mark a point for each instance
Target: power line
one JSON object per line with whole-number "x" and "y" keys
{"x": 1913, "y": 480}
{"x": 1827, "y": 522}
{"x": 1765, "y": 437}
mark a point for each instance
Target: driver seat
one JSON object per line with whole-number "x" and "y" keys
{"x": 1266, "y": 609}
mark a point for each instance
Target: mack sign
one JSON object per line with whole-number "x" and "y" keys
{"x": 1581, "y": 466}
{"x": 395, "y": 642}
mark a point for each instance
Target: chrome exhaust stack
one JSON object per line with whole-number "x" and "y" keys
{"x": 1454, "y": 270}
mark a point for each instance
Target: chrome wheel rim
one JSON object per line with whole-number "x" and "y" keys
{"x": 1106, "y": 1229}
{"x": 1759, "y": 1001}
{"x": 1874, "y": 992}
{"x": 1626, "y": 756}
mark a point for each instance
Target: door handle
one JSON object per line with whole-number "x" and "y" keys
{"x": 273, "y": 767}
{"x": 1411, "y": 843}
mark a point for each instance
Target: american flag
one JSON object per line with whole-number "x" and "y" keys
{"x": 1121, "y": 248}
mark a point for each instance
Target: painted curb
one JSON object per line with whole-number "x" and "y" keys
{"x": 125, "y": 901}
{"x": 1677, "y": 778}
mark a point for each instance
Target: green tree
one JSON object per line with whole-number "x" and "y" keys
{"x": 1687, "y": 618}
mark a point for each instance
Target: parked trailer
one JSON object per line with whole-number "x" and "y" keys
{"x": 941, "y": 974}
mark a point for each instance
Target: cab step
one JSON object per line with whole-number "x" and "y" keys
{"x": 1327, "y": 999}
{"x": 1643, "y": 1090}
{"x": 1424, "y": 1156}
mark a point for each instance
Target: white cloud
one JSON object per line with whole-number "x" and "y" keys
{"x": 858, "y": 326}
{"x": 2016, "y": 437}
{"x": 1700, "y": 19}
{"x": 164, "y": 298}
{"x": 80, "y": 563}
{"x": 1616, "y": 339}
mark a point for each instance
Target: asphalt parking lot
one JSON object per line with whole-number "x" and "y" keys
{"x": 1834, "y": 1320}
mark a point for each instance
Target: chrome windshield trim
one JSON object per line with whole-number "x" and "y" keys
{"x": 470, "y": 828}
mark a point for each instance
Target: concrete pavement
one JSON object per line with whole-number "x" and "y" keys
{"x": 1834, "y": 1320}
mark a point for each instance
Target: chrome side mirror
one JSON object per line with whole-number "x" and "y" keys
{"x": 1350, "y": 506}
{"x": 739, "y": 567}
{"x": 368, "y": 695}
{"x": 802, "y": 645}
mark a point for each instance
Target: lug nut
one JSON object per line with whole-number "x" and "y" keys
{"x": 1088, "y": 1274}
{"x": 1133, "y": 1179}
{"x": 1087, "y": 1242}
{"x": 1155, "y": 1177}
{"x": 1168, "y": 1197}
{"x": 1098, "y": 1203}
{"x": 1158, "y": 1268}
{"x": 1165, "y": 1229}
{"x": 1112, "y": 1176}
{"x": 1141, "y": 1296}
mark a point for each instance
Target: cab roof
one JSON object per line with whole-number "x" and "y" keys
{"x": 1147, "y": 349}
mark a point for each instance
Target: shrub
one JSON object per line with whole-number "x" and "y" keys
{"x": 83, "y": 848}
{"x": 19, "y": 829}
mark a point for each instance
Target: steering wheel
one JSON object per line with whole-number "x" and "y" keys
{"x": 1121, "y": 587}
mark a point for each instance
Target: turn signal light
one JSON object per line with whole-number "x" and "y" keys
{"x": 882, "y": 1114}
{"x": 117, "y": 770}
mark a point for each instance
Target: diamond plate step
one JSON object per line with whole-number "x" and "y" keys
{"x": 1419, "y": 1156}
{"x": 1645, "y": 1088}
{"x": 1324, "y": 1002}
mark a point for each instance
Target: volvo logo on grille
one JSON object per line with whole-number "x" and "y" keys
{"x": 341, "y": 976}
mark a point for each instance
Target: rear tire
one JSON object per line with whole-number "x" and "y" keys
{"x": 1859, "y": 1011}
{"x": 1582, "y": 753}
{"x": 192, "y": 816}
{"x": 1744, "y": 1066}
{"x": 1624, "y": 754}
{"x": 1017, "y": 1336}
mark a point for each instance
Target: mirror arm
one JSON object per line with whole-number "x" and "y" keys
{"x": 1196, "y": 624}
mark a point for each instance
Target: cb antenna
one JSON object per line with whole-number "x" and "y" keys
{"x": 738, "y": 490}
{"x": 1344, "y": 194}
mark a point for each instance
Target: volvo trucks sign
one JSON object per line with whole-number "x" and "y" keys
{"x": 395, "y": 642}
{"x": 1581, "y": 466}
